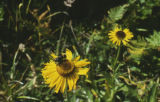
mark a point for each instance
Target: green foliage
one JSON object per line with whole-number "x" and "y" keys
{"x": 154, "y": 40}
{"x": 147, "y": 9}
{"x": 153, "y": 92}
{"x": 117, "y": 13}
{"x": 1, "y": 12}
{"x": 137, "y": 50}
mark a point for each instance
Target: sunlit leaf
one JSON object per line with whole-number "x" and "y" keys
{"x": 154, "y": 40}
{"x": 28, "y": 97}
{"x": 117, "y": 13}
{"x": 1, "y": 13}
{"x": 153, "y": 93}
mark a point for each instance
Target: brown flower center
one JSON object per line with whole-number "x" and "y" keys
{"x": 65, "y": 68}
{"x": 120, "y": 35}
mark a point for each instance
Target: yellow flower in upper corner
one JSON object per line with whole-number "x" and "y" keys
{"x": 119, "y": 35}
{"x": 64, "y": 71}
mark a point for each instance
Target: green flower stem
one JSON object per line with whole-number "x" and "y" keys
{"x": 59, "y": 41}
{"x": 66, "y": 94}
{"x": 14, "y": 64}
{"x": 28, "y": 6}
{"x": 115, "y": 62}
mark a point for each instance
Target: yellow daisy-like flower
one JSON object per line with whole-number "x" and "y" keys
{"x": 119, "y": 35}
{"x": 65, "y": 73}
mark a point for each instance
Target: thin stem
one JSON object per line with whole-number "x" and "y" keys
{"x": 58, "y": 43}
{"x": 115, "y": 62}
{"x": 29, "y": 2}
{"x": 14, "y": 64}
{"x": 66, "y": 95}
{"x": 114, "y": 73}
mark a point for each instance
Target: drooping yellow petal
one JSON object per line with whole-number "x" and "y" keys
{"x": 70, "y": 83}
{"x": 68, "y": 54}
{"x": 58, "y": 84}
{"x": 63, "y": 85}
{"x": 53, "y": 79}
{"x": 82, "y": 63}
{"x": 76, "y": 77}
{"x": 83, "y": 71}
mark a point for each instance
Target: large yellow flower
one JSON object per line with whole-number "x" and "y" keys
{"x": 66, "y": 73}
{"x": 119, "y": 35}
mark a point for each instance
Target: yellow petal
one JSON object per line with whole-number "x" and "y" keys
{"x": 68, "y": 54}
{"x": 54, "y": 78}
{"x": 47, "y": 73}
{"x": 83, "y": 71}
{"x": 53, "y": 55}
{"x": 58, "y": 84}
{"x": 118, "y": 43}
{"x": 63, "y": 86}
{"x": 82, "y": 63}
{"x": 124, "y": 42}
{"x": 70, "y": 83}
{"x": 75, "y": 81}
{"x": 126, "y": 30}
{"x": 77, "y": 58}
{"x": 50, "y": 66}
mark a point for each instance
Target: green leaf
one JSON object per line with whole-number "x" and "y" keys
{"x": 117, "y": 13}
{"x": 154, "y": 40}
{"x": 135, "y": 69}
{"x": 1, "y": 13}
{"x": 28, "y": 97}
{"x": 152, "y": 93}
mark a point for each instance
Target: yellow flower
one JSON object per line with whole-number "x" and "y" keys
{"x": 59, "y": 75}
{"x": 119, "y": 35}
